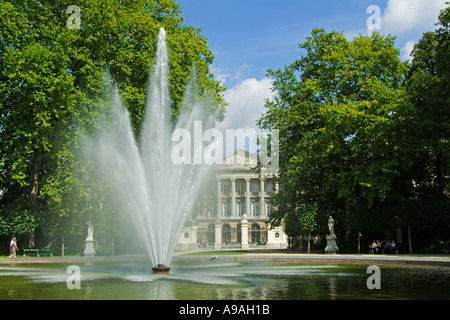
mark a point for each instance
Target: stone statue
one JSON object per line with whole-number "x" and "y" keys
{"x": 331, "y": 238}
{"x": 89, "y": 251}
{"x": 90, "y": 235}
{"x": 331, "y": 225}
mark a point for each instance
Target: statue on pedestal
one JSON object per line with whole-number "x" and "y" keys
{"x": 331, "y": 225}
{"x": 90, "y": 235}
{"x": 331, "y": 238}
{"x": 89, "y": 251}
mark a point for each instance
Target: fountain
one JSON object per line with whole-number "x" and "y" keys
{"x": 160, "y": 268}
{"x": 156, "y": 193}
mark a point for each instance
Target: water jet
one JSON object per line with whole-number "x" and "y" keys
{"x": 157, "y": 194}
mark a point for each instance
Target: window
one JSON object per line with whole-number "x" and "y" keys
{"x": 226, "y": 187}
{"x": 240, "y": 187}
{"x": 227, "y": 208}
{"x": 269, "y": 188}
{"x": 269, "y": 208}
{"x": 241, "y": 208}
{"x": 255, "y": 187}
{"x": 255, "y": 208}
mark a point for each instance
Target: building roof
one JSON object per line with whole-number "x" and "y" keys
{"x": 242, "y": 161}
{"x": 240, "y": 158}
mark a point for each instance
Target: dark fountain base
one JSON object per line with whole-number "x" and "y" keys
{"x": 160, "y": 269}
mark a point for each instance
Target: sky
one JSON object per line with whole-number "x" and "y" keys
{"x": 248, "y": 37}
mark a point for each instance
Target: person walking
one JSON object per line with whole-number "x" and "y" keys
{"x": 13, "y": 247}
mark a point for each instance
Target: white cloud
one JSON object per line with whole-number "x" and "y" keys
{"x": 220, "y": 74}
{"x": 405, "y": 15}
{"x": 406, "y": 50}
{"x": 226, "y": 78}
{"x": 246, "y": 103}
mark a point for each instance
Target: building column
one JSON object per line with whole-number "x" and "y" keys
{"x": 262, "y": 201}
{"x": 219, "y": 199}
{"x": 218, "y": 235}
{"x": 247, "y": 197}
{"x": 233, "y": 197}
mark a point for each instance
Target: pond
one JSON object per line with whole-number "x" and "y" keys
{"x": 219, "y": 280}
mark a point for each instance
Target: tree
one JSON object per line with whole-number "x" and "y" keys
{"x": 428, "y": 116}
{"x": 307, "y": 220}
{"x": 36, "y": 92}
{"x": 422, "y": 197}
{"x": 51, "y": 93}
{"x": 335, "y": 110}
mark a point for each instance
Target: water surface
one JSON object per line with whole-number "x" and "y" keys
{"x": 222, "y": 280}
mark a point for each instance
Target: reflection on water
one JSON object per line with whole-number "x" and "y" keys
{"x": 214, "y": 280}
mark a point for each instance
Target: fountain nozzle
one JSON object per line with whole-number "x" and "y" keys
{"x": 160, "y": 268}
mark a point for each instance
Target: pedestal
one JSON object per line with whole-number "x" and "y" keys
{"x": 244, "y": 234}
{"x": 331, "y": 244}
{"x": 89, "y": 251}
{"x": 218, "y": 236}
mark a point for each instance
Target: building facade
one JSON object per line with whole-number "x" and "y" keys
{"x": 239, "y": 217}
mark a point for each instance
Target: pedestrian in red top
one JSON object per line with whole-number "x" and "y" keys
{"x": 13, "y": 247}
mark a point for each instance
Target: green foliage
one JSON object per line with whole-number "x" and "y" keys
{"x": 307, "y": 219}
{"x": 428, "y": 115}
{"x": 334, "y": 111}
{"x": 363, "y": 136}
{"x": 52, "y": 95}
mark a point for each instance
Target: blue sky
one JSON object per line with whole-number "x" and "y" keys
{"x": 248, "y": 37}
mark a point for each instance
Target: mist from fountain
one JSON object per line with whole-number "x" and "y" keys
{"x": 155, "y": 193}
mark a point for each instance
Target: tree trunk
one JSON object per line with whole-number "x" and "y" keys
{"x": 62, "y": 245}
{"x": 439, "y": 174}
{"x": 31, "y": 243}
{"x": 34, "y": 178}
{"x": 347, "y": 213}
{"x": 344, "y": 182}
{"x": 409, "y": 240}
{"x": 309, "y": 243}
{"x": 359, "y": 242}
{"x": 34, "y": 191}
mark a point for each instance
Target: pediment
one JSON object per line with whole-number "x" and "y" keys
{"x": 241, "y": 157}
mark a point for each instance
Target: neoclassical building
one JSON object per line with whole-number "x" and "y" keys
{"x": 239, "y": 216}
